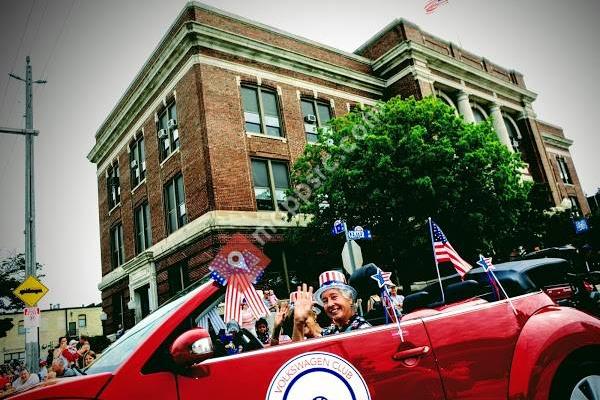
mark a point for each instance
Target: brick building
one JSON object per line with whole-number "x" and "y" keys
{"x": 201, "y": 143}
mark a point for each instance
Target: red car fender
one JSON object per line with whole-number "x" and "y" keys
{"x": 546, "y": 340}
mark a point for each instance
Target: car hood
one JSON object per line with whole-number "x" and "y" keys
{"x": 84, "y": 386}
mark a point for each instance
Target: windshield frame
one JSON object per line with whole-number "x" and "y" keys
{"x": 124, "y": 348}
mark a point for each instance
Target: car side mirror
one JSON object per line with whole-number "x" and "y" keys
{"x": 192, "y": 347}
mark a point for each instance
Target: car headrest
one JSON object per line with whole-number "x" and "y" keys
{"x": 414, "y": 301}
{"x": 461, "y": 290}
{"x": 362, "y": 281}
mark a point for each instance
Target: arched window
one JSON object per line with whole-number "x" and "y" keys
{"x": 513, "y": 131}
{"x": 478, "y": 113}
{"x": 446, "y": 99}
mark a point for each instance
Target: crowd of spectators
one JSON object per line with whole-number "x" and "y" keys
{"x": 64, "y": 360}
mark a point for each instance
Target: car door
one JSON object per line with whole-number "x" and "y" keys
{"x": 371, "y": 363}
{"x": 474, "y": 346}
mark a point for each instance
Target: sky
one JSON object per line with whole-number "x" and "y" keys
{"x": 90, "y": 51}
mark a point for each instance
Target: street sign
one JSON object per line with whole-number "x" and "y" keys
{"x": 31, "y": 317}
{"x": 338, "y": 227}
{"x": 356, "y": 251}
{"x": 31, "y": 291}
{"x": 359, "y": 233}
{"x": 581, "y": 226}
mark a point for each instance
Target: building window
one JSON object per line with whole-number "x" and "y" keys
{"x": 478, "y": 114}
{"x": 82, "y": 320}
{"x": 261, "y": 112}
{"x": 137, "y": 161}
{"x": 168, "y": 133}
{"x": 14, "y": 356}
{"x": 563, "y": 168}
{"x": 116, "y": 245}
{"x": 113, "y": 186}
{"x": 270, "y": 177}
{"x": 175, "y": 211}
{"x": 575, "y": 209}
{"x": 117, "y": 310}
{"x": 21, "y": 328}
{"x": 177, "y": 277}
{"x": 143, "y": 230}
{"x": 513, "y": 132}
{"x": 315, "y": 114}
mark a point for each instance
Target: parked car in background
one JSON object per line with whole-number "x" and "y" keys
{"x": 467, "y": 348}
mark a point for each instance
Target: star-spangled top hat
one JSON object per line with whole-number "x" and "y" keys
{"x": 332, "y": 280}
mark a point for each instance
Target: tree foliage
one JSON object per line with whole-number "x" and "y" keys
{"x": 12, "y": 274}
{"x": 392, "y": 166}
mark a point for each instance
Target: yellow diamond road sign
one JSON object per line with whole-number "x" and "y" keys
{"x": 30, "y": 291}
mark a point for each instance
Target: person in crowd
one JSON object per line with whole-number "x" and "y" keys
{"x": 43, "y": 372}
{"x": 82, "y": 349}
{"x": 25, "y": 380}
{"x": 49, "y": 357}
{"x": 248, "y": 319}
{"x": 90, "y": 357}
{"x": 397, "y": 298}
{"x": 282, "y": 311}
{"x": 62, "y": 369}
{"x": 262, "y": 331}
{"x": 70, "y": 353}
{"x": 4, "y": 380}
{"x": 337, "y": 299}
{"x": 62, "y": 344}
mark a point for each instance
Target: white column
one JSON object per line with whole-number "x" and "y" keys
{"x": 464, "y": 107}
{"x": 500, "y": 127}
{"x": 153, "y": 294}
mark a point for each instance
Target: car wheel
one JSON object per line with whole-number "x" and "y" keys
{"x": 580, "y": 381}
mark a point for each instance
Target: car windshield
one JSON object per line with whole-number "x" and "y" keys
{"x": 121, "y": 349}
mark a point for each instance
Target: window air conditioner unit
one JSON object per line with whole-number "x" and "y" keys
{"x": 310, "y": 118}
{"x": 163, "y": 134}
{"x": 134, "y": 164}
{"x": 172, "y": 123}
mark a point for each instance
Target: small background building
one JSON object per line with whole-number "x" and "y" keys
{"x": 54, "y": 323}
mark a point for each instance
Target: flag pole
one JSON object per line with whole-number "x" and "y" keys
{"x": 504, "y": 292}
{"x": 490, "y": 268}
{"x": 437, "y": 267}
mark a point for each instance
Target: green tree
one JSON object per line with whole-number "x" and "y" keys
{"x": 12, "y": 274}
{"x": 392, "y": 166}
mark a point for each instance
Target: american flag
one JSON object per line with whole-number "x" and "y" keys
{"x": 444, "y": 251}
{"x": 432, "y": 5}
{"x": 486, "y": 264}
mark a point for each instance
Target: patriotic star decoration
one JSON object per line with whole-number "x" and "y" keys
{"x": 382, "y": 278}
{"x": 485, "y": 262}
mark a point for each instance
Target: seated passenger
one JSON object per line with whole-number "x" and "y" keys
{"x": 262, "y": 331}
{"x": 336, "y": 298}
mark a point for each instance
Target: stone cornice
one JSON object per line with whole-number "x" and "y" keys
{"x": 193, "y": 34}
{"x": 560, "y": 142}
{"x": 259, "y": 221}
{"x": 409, "y": 49}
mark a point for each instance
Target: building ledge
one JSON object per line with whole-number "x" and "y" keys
{"x": 264, "y": 223}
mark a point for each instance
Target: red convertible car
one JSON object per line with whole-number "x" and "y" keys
{"x": 467, "y": 348}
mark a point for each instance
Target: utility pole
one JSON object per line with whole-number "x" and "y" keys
{"x": 32, "y": 350}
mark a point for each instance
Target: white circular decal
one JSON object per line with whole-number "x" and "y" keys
{"x": 318, "y": 376}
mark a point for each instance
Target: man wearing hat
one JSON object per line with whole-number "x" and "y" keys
{"x": 337, "y": 299}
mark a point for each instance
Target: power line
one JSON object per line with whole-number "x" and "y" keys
{"x": 14, "y": 63}
{"x": 57, "y": 38}
{"x": 37, "y": 31}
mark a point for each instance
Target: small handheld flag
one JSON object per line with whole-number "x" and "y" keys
{"x": 486, "y": 264}
{"x": 443, "y": 251}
